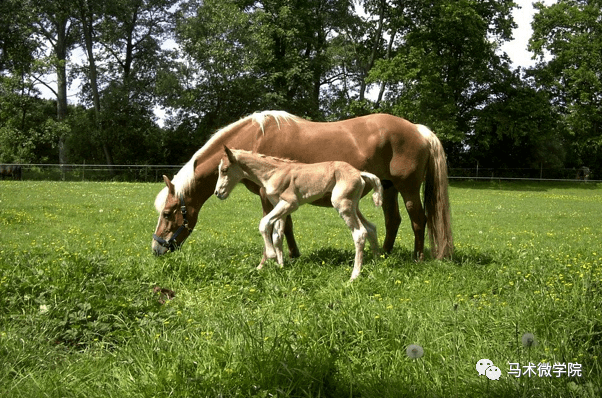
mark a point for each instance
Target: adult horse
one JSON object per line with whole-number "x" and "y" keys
{"x": 402, "y": 154}
{"x": 10, "y": 170}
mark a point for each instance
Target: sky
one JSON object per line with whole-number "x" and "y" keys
{"x": 517, "y": 48}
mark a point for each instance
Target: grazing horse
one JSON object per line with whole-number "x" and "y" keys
{"x": 289, "y": 184}
{"x": 402, "y": 154}
{"x": 10, "y": 170}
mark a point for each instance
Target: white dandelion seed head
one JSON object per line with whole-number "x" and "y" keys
{"x": 528, "y": 340}
{"x": 414, "y": 351}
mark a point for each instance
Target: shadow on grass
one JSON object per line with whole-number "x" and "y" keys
{"x": 400, "y": 256}
{"x": 523, "y": 186}
{"x": 473, "y": 257}
{"x": 463, "y": 256}
{"x": 329, "y": 256}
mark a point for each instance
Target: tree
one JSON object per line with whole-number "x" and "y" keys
{"x": 569, "y": 34}
{"x": 294, "y": 40}
{"x": 54, "y": 22}
{"x": 516, "y": 129}
{"x": 17, "y": 45}
{"x": 246, "y": 56}
{"x": 28, "y": 130}
{"x": 130, "y": 34}
{"x": 122, "y": 43}
{"x": 217, "y": 83}
{"x": 88, "y": 15}
{"x": 443, "y": 67}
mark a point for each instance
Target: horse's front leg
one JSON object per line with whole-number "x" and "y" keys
{"x": 293, "y": 249}
{"x": 266, "y": 227}
{"x": 392, "y": 217}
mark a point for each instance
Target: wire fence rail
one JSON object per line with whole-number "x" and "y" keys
{"x": 95, "y": 172}
{"x": 154, "y": 173}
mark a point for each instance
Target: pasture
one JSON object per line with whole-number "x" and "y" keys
{"x": 80, "y": 317}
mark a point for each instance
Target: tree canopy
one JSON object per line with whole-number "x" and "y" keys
{"x": 206, "y": 63}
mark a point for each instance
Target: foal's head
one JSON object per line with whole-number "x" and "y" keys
{"x": 230, "y": 174}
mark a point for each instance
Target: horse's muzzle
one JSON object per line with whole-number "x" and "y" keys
{"x": 158, "y": 249}
{"x": 161, "y": 246}
{"x": 221, "y": 196}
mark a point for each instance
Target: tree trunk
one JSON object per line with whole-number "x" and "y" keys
{"x": 377, "y": 39}
{"x": 86, "y": 19}
{"x": 381, "y": 91}
{"x": 61, "y": 82}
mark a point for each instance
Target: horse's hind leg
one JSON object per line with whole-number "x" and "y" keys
{"x": 372, "y": 235}
{"x": 348, "y": 210}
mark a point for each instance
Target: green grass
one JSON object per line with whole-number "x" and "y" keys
{"x": 78, "y": 316}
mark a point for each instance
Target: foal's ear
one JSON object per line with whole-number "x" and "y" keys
{"x": 230, "y": 155}
{"x": 171, "y": 189}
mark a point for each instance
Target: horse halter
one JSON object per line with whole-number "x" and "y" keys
{"x": 171, "y": 244}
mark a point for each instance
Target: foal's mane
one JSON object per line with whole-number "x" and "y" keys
{"x": 184, "y": 179}
{"x": 262, "y": 156}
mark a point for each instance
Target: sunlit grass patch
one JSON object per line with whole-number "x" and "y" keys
{"x": 80, "y": 314}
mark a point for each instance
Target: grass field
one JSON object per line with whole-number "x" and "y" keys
{"x": 79, "y": 316}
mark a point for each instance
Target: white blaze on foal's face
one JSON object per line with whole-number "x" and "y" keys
{"x": 228, "y": 177}
{"x": 229, "y": 174}
{"x": 222, "y": 181}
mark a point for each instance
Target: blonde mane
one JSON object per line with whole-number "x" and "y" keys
{"x": 184, "y": 179}
{"x": 262, "y": 156}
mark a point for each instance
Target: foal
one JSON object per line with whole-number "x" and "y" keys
{"x": 289, "y": 184}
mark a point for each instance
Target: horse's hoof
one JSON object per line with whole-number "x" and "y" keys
{"x": 294, "y": 254}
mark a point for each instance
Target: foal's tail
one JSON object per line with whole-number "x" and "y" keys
{"x": 377, "y": 196}
{"x": 436, "y": 199}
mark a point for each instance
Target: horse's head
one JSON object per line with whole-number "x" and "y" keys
{"x": 173, "y": 227}
{"x": 230, "y": 174}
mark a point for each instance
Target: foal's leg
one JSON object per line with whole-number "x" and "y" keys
{"x": 266, "y": 226}
{"x": 267, "y": 206}
{"x": 372, "y": 236}
{"x": 347, "y": 209}
{"x": 277, "y": 239}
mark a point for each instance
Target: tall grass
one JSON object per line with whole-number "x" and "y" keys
{"x": 79, "y": 315}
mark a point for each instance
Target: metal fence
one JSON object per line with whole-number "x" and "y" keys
{"x": 154, "y": 173}
{"x": 97, "y": 172}
{"x": 541, "y": 174}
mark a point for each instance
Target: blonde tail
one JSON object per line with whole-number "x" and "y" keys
{"x": 436, "y": 200}
{"x": 377, "y": 196}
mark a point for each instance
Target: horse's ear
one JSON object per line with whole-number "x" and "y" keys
{"x": 170, "y": 187}
{"x": 230, "y": 155}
